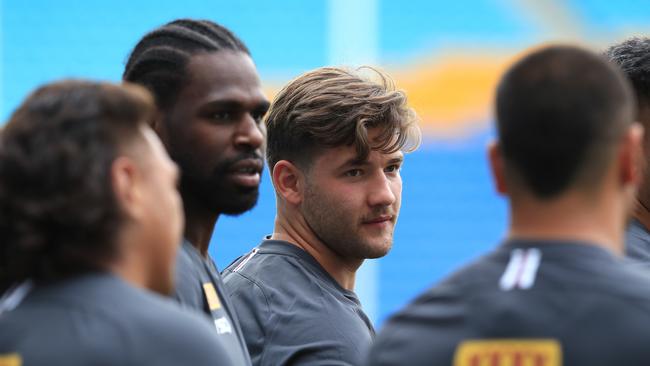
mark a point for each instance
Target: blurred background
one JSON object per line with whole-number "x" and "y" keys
{"x": 447, "y": 55}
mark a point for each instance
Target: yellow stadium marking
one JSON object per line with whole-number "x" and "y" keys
{"x": 509, "y": 352}
{"x": 454, "y": 92}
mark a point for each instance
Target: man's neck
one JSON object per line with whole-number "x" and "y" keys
{"x": 297, "y": 232}
{"x": 132, "y": 268}
{"x": 199, "y": 225}
{"x": 132, "y": 275}
{"x": 570, "y": 219}
{"x": 132, "y": 264}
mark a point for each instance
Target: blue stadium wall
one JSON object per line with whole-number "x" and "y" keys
{"x": 447, "y": 55}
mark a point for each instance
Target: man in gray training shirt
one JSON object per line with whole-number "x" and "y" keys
{"x": 210, "y": 107}
{"x": 90, "y": 221}
{"x": 633, "y": 57}
{"x": 557, "y": 291}
{"x": 334, "y": 147}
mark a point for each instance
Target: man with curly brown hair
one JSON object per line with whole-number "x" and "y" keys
{"x": 90, "y": 221}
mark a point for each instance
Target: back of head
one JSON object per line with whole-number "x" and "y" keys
{"x": 332, "y": 107}
{"x": 58, "y": 213}
{"x": 560, "y": 112}
{"x": 159, "y": 59}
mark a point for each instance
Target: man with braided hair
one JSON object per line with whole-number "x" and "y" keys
{"x": 210, "y": 106}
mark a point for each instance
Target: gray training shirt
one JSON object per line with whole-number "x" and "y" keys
{"x": 199, "y": 287}
{"x": 293, "y": 312}
{"x": 98, "y": 320}
{"x": 527, "y": 303}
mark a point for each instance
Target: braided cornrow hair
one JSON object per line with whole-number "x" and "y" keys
{"x": 158, "y": 61}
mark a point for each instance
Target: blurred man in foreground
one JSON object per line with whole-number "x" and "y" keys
{"x": 556, "y": 292}
{"x": 90, "y": 221}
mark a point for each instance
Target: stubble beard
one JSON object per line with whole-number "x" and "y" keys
{"x": 340, "y": 232}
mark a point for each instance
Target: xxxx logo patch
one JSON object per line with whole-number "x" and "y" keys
{"x": 509, "y": 352}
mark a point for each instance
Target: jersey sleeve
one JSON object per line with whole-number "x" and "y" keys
{"x": 252, "y": 308}
{"x": 310, "y": 345}
{"x": 301, "y": 334}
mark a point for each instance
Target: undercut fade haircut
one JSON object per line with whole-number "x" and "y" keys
{"x": 633, "y": 58}
{"x": 331, "y": 107}
{"x": 560, "y": 113}
{"x": 58, "y": 212}
{"x": 158, "y": 62}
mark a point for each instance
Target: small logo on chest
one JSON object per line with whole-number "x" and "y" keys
{"x": 223, "y": 325}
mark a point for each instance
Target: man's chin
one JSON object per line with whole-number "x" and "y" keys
{"x": 238, "y": 205}
{"x": 374, "y": 254}
{"x": 376, "y": 250}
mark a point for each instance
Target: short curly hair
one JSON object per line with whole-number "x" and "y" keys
{"x": 331, "y": 107}
{"x": 58, "y": 212}
{"x": 632, "y": 56}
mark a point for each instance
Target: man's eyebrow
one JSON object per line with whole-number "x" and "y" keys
{"x": 354, "y": 161}
{"x": 236, "y": 104}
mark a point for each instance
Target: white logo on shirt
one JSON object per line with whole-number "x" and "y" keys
{"x": 521, "y": 269}
{"x": 223, "y": 325}
{"x": 14, "y": 296}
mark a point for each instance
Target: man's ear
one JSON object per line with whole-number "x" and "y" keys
{"x": 631, "y": 156}
{"x": 495, "y": 158}
{"x": 288, "y": 181}
{"x": 127, "y": 186}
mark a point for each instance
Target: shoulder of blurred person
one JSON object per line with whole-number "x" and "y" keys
{"x": 101, "y": 320}
{"x": 574, "y": 313}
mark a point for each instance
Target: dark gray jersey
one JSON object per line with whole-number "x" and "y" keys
{"x": 637, "y": 242}
{"x": 293, "y": 312}
{"x": 199, "y": 287}
{"x": 527, "y": 303}
{"x": 99, "y": 319}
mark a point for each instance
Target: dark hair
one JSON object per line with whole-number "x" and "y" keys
{"x": 159, "y": 60}
{"x": 58, "y": 213}
{"x": 633, "y": 58}
{"x": 330, "y": 107}
{"x": 559, "y": 111}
